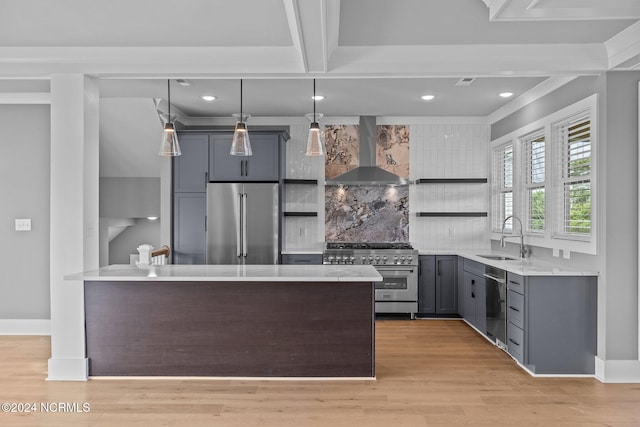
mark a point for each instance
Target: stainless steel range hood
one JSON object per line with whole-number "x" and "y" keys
{"x": 367, "y": 173}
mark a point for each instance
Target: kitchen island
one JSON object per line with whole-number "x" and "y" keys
{"x": 230, "y": 321}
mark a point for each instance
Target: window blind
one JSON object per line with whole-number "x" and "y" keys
{"x": 534, "y": 167}
{"x": 502, "y": 186}
{"x": 573, "y": 186}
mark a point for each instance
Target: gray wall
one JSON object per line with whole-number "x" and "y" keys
{"x": 620, "y": 197}
{"x": 617, "y": 175}
{"x": 24, "y": 193}
{"x": 129, "y": 197}
{"x": 126, "y": 243}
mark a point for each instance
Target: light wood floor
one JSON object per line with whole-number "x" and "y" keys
{"x": 430, "y": 373}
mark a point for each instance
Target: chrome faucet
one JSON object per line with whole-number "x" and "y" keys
{"x": 523, "y": 250}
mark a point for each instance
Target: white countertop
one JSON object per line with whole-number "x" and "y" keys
{"x": 524, "y": 267}
{"x": 228, "y": 273}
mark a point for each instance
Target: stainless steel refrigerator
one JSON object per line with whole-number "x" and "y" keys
{"x": 242, "y": 223}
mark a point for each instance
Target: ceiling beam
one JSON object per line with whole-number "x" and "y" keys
{"x": 308, "y": 26}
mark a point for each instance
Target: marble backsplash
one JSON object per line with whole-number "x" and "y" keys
{"x": 367, "y": 213}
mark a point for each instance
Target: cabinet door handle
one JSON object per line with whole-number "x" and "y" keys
{"x": 246, "y": 168}
{"x": 438, "y": 262}
{"x": 513, "y": 308}
{"x": 514, "y": 342}
{"x": 473, "y": 282}
{"x": 473, "y": 295}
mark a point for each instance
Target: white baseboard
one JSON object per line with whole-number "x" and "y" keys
{"x": 618, "y": 371}
{"x": 68, "y": 369}
{"x": 25, "y": 327}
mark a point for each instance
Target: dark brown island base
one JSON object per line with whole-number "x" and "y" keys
{"x": 231, "y": 321}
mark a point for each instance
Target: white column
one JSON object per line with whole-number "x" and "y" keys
{"x": 74, "y": 216}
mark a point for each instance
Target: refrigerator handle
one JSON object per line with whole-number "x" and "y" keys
{"x": 244, "y": 224}
{"x": 239, "y": 230}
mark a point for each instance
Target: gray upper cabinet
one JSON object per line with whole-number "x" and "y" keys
{"x": 262, "y": 166}
{"x": 190, "y": 168}
{"x": 437, "y": 285}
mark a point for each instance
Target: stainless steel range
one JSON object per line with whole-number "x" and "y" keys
{"x": 397, "y": 263}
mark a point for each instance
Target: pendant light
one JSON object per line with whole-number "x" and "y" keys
{"x": 169, "y": 146}
{"x": 314, "y": 140}
{"x": 240, "y": 145}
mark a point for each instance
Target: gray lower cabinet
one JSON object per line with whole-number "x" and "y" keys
{"x": 552, "y": 323}
{"x": 189, "y": 215}
{"x": 263, "y": 165}
{"x": 474, "y": 295}
{"x": 437, "y": 285}
{"x": 308, "y": 259}
{"x": 190, "y": 169}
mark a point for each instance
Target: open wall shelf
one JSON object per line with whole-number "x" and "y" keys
{"x": 451, "y": 214}
{"x": 300, "y": 213}
{"x": 301, "y": 181}
{"x": 451, "y": 181}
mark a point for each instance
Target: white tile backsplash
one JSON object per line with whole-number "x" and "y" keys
{"x": 438, "y": 150}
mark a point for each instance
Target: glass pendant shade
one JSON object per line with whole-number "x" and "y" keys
{"x": 314, "y": 141}
{"x": 170, "y": 145}
{"x": 240, "y": 144}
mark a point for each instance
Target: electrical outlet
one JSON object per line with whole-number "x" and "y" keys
{"x": 23, "y": 224}
{"x": 566, "y": 254}
{"x": 556, "y": 252}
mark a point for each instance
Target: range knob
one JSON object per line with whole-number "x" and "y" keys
{"x": 402, "y": 260}
{"x": 351, "y": 259}
{"x": 370, "y": 259}
{"x": 384, "y": 259}
{"x": 364, "y": 259}
{"x": 395, "y": 259}
{"x": 331, "y": 259}
{"x": 409, "y": 259}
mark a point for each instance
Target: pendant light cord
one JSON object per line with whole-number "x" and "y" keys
{"x": 314, "y": 100}
{"x": 169, "y": 99}
{"x": 241, "y": 118}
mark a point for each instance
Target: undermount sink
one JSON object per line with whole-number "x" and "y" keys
{"x": 497, "y": 257}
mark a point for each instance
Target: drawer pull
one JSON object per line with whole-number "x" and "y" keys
{"x": 513, "y": 308}
{"x": 514, "y": 342}
{"x": 514, "y": 282}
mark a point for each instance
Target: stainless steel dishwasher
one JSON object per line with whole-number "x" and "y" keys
{"x": 496, "y": 304}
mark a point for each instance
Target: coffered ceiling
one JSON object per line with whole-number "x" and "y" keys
{"x": 369, "y": 56}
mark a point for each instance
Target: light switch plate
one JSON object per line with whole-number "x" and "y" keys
{"x": 556, "y": 252}
{"x": 23, "y": 224}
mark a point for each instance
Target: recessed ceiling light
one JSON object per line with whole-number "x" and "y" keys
{"x": 427, "y": 97}
{"x": 208, "y": 97}
{"x": 317, "y": 97}
{"x": 506, "y": 94}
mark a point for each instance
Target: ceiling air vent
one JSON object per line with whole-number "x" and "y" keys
{"x": 183, "y": 82}
{"x": 465, "y": 81}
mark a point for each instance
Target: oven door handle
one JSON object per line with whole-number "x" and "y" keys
{"x": 395, "y": 267}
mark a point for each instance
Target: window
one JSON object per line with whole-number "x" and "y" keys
{"x": 534, "y": 204}
{"x": 503, "y": 186}
{"x": 573, "y": 187}
{"x": 545, "y": 174}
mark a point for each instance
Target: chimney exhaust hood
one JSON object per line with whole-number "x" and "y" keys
{"x": 367, "y": 173}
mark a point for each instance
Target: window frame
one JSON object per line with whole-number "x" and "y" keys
{"x": 547, "y": 126}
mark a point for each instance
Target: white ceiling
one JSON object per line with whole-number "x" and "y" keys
{"x": 369, "y": 56}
